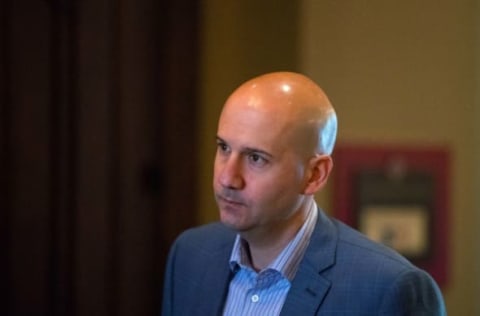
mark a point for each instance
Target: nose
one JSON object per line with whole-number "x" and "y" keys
{"x": 229, "y": 172}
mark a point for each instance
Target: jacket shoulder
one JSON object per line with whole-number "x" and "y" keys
{"x": 352, "y": 243}
{"x": 372, "y": 277}
{"x": 206, "y": 239}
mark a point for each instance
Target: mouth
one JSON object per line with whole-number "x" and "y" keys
{"x": 229, "y": 201}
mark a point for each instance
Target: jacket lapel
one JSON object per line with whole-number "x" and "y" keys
{"x": 309, "y": 287}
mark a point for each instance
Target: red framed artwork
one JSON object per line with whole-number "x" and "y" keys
{"x": 397, "y": 196}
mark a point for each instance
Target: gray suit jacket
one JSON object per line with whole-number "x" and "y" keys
{"x": 342, "y": 273}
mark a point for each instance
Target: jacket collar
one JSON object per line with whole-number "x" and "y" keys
{"x": 309, "y": 286}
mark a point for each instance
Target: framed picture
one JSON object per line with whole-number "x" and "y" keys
{"x": 396, "y": 196}
{"x": 405, "y": 228}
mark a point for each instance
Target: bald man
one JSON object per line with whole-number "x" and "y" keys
{"x": 275, "y": 252}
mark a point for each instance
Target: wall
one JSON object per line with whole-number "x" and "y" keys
{"x": 476, "y": 148}
{"x": 239, "y": 41}
{"x": 403, "y": 73}
{"x": 400, "y": 73}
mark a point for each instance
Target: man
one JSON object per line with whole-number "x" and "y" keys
{"x": 275, "y": 252}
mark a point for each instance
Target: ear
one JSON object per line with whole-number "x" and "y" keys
{"x": 320, "y": 167}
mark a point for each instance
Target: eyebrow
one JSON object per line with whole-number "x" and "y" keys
{"x": 247, "y": 149}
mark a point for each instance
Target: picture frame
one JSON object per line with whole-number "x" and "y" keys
{"x": 404, "y": 228}
{"x": 397, "y": 196}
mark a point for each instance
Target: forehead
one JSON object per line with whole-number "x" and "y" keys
{"x": 243, "y": 125}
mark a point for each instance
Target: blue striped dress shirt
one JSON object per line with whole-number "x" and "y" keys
{"x": 263, "y": 293}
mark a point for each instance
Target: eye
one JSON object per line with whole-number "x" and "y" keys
{"x": 222, "y": 147}
{"x": 257, "y": 160}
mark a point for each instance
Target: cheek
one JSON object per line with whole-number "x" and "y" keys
{"x": 215, "y": 173}
{"x": 276, "y": 203}
{"x": 282, "y": 190}
{"x": 216, "y": 168}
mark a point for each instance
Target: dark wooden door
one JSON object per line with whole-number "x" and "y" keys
{"x": 97, "y": 122}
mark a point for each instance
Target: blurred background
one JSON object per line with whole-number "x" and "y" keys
{"x": 108, "y": 113}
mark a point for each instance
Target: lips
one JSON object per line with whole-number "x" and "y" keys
{"x": 229, "y": 201}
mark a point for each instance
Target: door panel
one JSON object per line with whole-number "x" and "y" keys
{"x": 97, "y": 115}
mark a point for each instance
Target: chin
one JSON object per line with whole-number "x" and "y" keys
{"x": 232, "y": 223}
{"x": 228, "y": 222}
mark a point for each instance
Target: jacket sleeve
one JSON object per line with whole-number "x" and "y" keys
{"x": 414, "y": 293}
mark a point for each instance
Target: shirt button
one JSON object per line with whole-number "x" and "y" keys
{"x": 255, "y": 298}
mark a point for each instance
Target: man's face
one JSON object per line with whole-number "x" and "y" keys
{"x": 258, "y": 175}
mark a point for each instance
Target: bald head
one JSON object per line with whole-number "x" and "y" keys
{"x": 291, "y": 103}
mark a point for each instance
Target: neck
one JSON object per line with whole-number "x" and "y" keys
{"x": 265, "y": 244}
